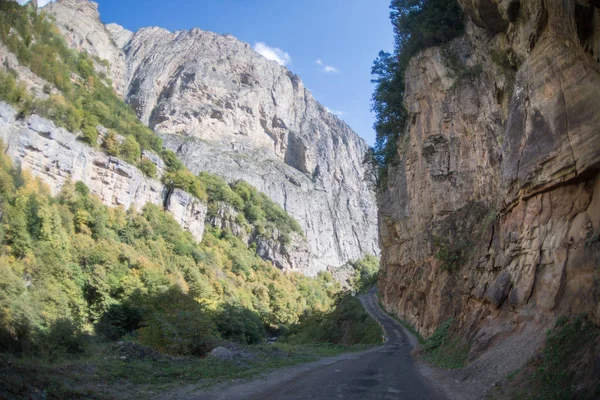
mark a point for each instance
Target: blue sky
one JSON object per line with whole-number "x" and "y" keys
{"x": 344, "y": 35}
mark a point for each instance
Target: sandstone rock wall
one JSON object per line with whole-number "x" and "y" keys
{"x": 492, "y": 216}
{"x": 226, "y": 109}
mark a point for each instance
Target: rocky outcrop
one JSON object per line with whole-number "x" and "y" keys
{"x": 226, "y": 109}
{"x": 56, "y": 156}
{"x": 286, "y": 252}
{"x": 492, "y": 215}
{"x": 81, "y": 27}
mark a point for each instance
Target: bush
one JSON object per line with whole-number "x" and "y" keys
{"x": 347, "y": 324}
{"x": 178, "y": 325}
{"x": 172, "y": 162}
{"x": 130, "y": 150}
{"x": 451, "y": 255}
{"x": 120, "y": 320}
{"x": 219, "y": 191}
{"x": 61, "y": 340}
{"x": 261, "y": 210}
{"x": 568, "y": 367}
{"x": 186, "y": 181}
{"x": 148, "y": 168}
{"x": 89, "y": 135}
{"x": 240, "y": 324}
{"x": 365, "y": 273}
{"x": 110, "y": 144}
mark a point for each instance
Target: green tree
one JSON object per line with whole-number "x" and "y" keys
{"x": 418, "y": 24}
{"x": 130, "y": 150}
{"x": 110, "y": 144}
{"x": 148, "y": 168}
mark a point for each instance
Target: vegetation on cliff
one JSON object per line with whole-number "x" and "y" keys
{"x": 365, "y": 274}
{"x": 253, "y": 207}
{"x": 72, "y": 266}
{"x": 85, "y": 100}
{"x": 86, "y": 286}
{"x": 418, "y": 24}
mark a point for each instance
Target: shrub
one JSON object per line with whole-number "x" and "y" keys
{"x": 110, "y": 144}
{"x": 347, "y": 324}
{"x": 89, "y": 135}
{"x": 185, "y": 180}
{"x": 445, "y": 348}
{"x": 219, "y": 191}
{"x": 240, "y": 324}
{"x": 566, "y": 369}
{"x": 451, "y": 255}
{"x": 61, "y": 340}
{"x": 130, "y": 150}
{"x": 148, "y": 168}
{"x": 172, "y": 162}
{"x": 178, "y": 325}
{"x": 365, "y": 273}
{"x": 120, "y": 320}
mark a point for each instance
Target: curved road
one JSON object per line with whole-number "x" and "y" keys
{"x": 386, "y": 372}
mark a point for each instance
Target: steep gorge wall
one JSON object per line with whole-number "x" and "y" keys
{"x": 226, "y": 109}
{"x": 492, "y": 215}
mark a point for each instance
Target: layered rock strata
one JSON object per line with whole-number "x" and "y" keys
{"x": 492, "y": 215}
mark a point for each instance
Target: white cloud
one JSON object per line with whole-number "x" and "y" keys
{"x": 273, "y": 53}
{"x": 335, "y": 112}
{"x": 326, "y": 68}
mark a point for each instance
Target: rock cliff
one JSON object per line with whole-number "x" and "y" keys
{"x": 492, "y": 215}
{"x": 56, "y": 156}
{"x": 226, "y": 109}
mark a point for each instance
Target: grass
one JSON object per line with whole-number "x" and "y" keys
{"x": 106, "y": 373}
{"x": 566, "y": 368}
{"x": 444, "y": 349}
{"x": 561, "y": 373}
{"x": 208, "y": 370}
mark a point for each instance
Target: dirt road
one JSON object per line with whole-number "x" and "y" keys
{"x": 386, "y": 372}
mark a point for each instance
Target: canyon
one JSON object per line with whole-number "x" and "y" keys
{"x": 225, "y": 109}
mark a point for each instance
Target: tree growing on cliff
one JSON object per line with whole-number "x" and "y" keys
{"x": 418, "y": 24}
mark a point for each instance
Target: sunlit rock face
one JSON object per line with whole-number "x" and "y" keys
{"x": 57, "y": 157}
{"x": 228, "y": 110}
{"x": 492, "y": 215}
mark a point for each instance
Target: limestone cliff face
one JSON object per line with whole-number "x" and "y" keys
{"x": 226, "y": 109}
{"x": 492, "y": 215}
{"x": 54, "y": 155}
{"x": 83, "y": 31}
